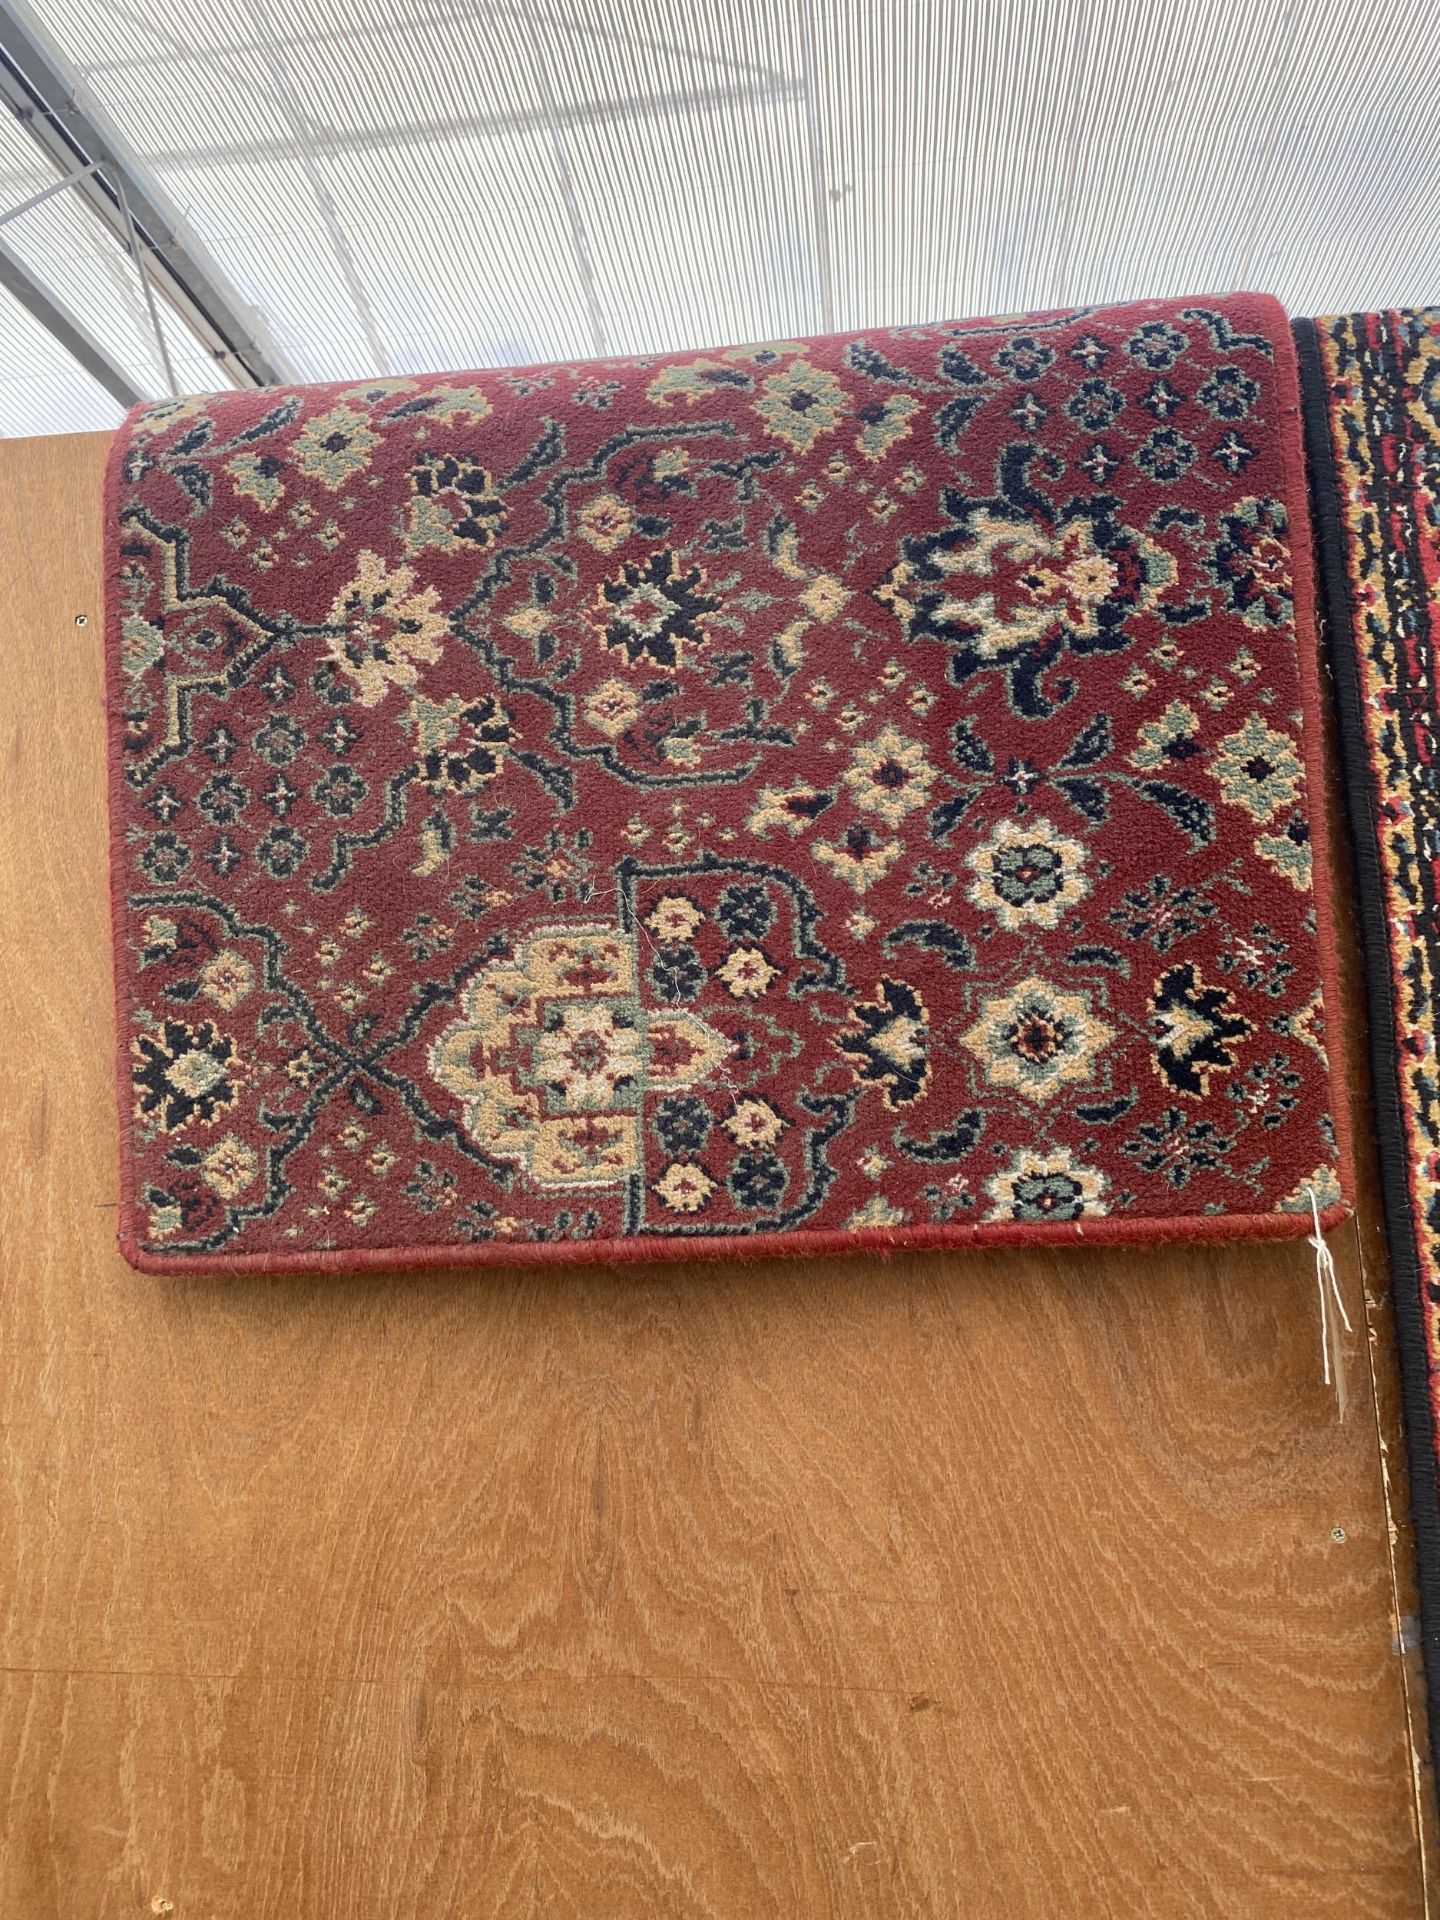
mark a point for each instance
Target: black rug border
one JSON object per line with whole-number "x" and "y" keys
{"x": 1343, "y": 648}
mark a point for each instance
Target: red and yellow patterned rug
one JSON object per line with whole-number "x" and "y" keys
{"x": 845, "y": 793}
{"x": 1372, "y": 404}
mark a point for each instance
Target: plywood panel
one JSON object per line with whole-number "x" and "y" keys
{"x": 995, "y": 1585}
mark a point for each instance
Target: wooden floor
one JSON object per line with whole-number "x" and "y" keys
{"x": 987, "y": 1585}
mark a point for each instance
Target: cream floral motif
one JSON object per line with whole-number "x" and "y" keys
{"x": 1027, "y": 874}
{"x": 876, "y": 1212}
{"x": 801, "y": 403}
{"x": 1289, "y": 854}
{"x": 456, "y": 403}
{"x": 254, "y": 479}
{"x": 684, "y": 1188}
{"x": 161, "y": 415}
{"x": 605, "y": 522}
{"x": 1258, "y": 769}
{"x": 859, "y": 859}
{"x": 142, "y": 645}
{"x": 1323, "y": 1184}
{"x": 754, "y": 1123}
{"x": 690, "y": 382}
{"x": 588, "y": 1057}
{"x": 1037, "y": 1039}
{"x": 1162, "y": 744}
{"x": 552, "y": 1056}
{"x": 792, "y": 809}
{"x": 746, "y": 972}
{"x": 229, "y": 1167}
{"x": 1041, "y": 1184}
{"x": 333, "y": 447}
{"x": 227, "y": 979}
{"x": 886, "y": 423}
{"x": 1309, "y": 1025}
{"x": 611, "y": 708}
{"x": 890, "y": 776}
{"x": 674, "y": 918}
{"x": 824, "y": 597}
{"x": 1015, "y": 580}
{"x": 384, "y": 628}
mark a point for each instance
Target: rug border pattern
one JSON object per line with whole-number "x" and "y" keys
{"x": 1410, "y": 1260}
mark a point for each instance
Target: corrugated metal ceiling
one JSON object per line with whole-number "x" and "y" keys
{"x": 397, "y": 187}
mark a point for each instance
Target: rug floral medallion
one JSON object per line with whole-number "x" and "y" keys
{"x": 840, "y": 792}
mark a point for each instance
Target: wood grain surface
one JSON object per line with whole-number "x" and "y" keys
{"x": 985, "y": 1585}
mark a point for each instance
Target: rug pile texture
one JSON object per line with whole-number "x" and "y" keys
{"x": 839, "y": 793}
{"x": 1372, "y": 402}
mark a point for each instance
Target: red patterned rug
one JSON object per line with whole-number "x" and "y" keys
{"x": 1372, "y": 403}
{"x": 844, "y": 793}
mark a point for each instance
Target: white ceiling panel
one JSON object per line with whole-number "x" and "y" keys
{"x": 400, "y": 186}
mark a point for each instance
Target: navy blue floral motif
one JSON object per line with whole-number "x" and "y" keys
{"x": 1166, "y": 455}
{"x": 479, "y": 510}
{"x": 341, "y": 791}
{"x": 165, "y": 859}
{"x": 1157, "y": 344}
{"x": 677, "y": 973}
{"x": 1025, "y": 357}
{"x": 281, "y": 852}
{"x": 1047, "y": 581}
{"x": 758, "y": 1180}
{"x": 1095, "y": 404}
{"x": 682, "y": 1124}
{"x": 745, "y": 912}
{"x": 279, "y": 741}
{"x": 1090, "y": 352}
{"x": 892, "y": 1047}
{"x": 182, "y": 1073}
{"x": 1251, "y": 563}
{"x": 1228, "y": 393}
{"x": 652, "y": 609}
{"x": 1163, "y": 400}
{"x": 472, "y": 751}
{"x": 1233, "y": 452}
{"x": 1195, "y": 1028}
{"x": 1178, "y": 1150}
{"x": 222, "y": 799}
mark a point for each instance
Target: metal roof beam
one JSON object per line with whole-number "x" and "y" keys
{"x": 77, "y": 137}
{"x": 83, "y": 347}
